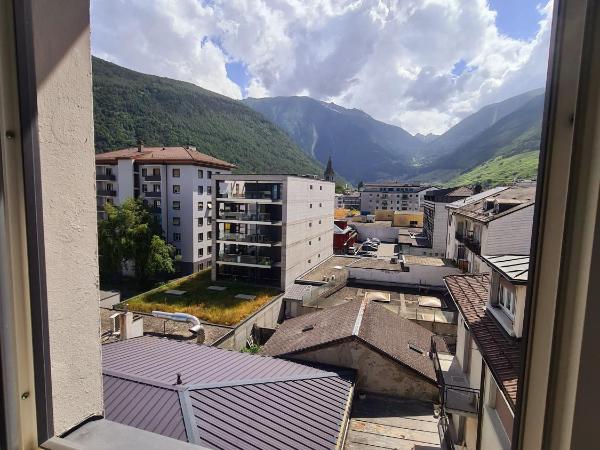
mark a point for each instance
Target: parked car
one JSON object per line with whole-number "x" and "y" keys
{"x": 351, "y": 251}
{"x": 371, "y": 242}
{"x": 369, "y": 247}
{"x": 376, "y": 240}
{"x": 367, "y": 254}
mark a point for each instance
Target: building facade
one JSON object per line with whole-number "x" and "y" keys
{"x": 494, "y": 222}
{"x": 176, "y": 183}
{"x": 478, "y": 383}
{"x": 348, "y": 201}
{"x": 435, "y": 216}
{"x": 393, "y": 196}
{"x": 270, "y": 229}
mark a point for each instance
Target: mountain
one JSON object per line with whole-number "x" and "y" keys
{"x": 476, "y": 123}
{"x": 516, "y": 133}
{"x": 427, "y": 138}
{"x": 361, "y": 147}
{"x": 129, "y": 105}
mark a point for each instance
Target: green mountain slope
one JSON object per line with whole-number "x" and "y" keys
{"x": 515, "y": 134}
{"x": 361, "y": 147}
{"x": 130, "y": 105}
{"x": 476, "y": 123}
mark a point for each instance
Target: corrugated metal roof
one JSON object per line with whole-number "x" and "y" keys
{"x": 226, "y": 399}
{"x": 163, "y": 155}
{"x": 513, "y": 267}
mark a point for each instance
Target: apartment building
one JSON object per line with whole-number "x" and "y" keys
{"x": 176, "y": 183}
{"x": 270, "y": 229}
{"x": 478, "y": 384}
{"x": 494, "y": 222}
{"x": 348, "y": 201}
{"x": 435, "y": 217}
{"x": 394, "y": 196}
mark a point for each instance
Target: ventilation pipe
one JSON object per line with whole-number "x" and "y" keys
{"x": 196, "y": 327}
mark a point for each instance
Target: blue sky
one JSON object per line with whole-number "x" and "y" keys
{"x": 420, "y": 65}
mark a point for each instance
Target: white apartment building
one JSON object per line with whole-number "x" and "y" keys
{"x": 494, "y": 222}
{"x": 393, "y": 196}
{"x": 176, "y": 182}
{"x": 478, "y": 384}
{"x": 348, "y": 201}
{"x": 270, "y": 229}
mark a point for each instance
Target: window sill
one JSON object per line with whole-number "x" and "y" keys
{"x": 502, "y": 319}
{"x": 106, "y": 435}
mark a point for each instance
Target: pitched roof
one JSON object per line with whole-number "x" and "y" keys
{"x": 517, "y": 197}
{"x": 367, "y": 321}
{"x": 513, "y": 267}
{"x": 226, "y": 399}
{"x": 500, "y": 352}
{"x": 448, "y": 195}
{"x": 163, "y": 155}
{"x": 476, "y": 197}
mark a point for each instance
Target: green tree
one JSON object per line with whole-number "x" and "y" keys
{"x": 360, "y": 185}
{"x": 130, "y": 233}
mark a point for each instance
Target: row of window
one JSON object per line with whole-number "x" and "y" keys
{"x": 200, "y": 221}
{"x": 176, "y": 173}
{"x": 320, "y": 187}
{"x": 403, "y": 195}
{"x": 310, "y": 223}
{"x": 320, "y": 205}
{"x": 177, "y": 237}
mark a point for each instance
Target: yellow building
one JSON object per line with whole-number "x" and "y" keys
{"x": 407, "y": 219}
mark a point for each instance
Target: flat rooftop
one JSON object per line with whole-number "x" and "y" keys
{"x": 333, "y": 265}
{"x": 427, "y": 261}
{"x": 380, "y": 422}
{"x": 377, "y": 264}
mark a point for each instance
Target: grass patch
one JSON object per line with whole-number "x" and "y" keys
{"x": 219, "y": 307}
{"x": 501, "y": 170}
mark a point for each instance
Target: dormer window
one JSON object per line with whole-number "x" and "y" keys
{"x": 506, "y": 300}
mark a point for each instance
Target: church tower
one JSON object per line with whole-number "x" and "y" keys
{"x": 329, "y": 173}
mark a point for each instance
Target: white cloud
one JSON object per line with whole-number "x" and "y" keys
{"x": 392, "y": 58}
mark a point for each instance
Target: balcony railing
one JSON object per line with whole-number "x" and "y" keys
{"x": 469, "y": 241}
{"x": 445, "y": 433}
{"x": 105, "y": 177}
{"x": 454, "y": 398}
{"x": 254, "y": 195}
{"x": 152, "y": 178}
{"x": 107, "y": 193}
{"x": 152, "y": 194}
{"x": 245, "y": 259}
{"x": 254, "y": 238}
{"x": 155, "y": 209}
{"x": 249, "y": 217}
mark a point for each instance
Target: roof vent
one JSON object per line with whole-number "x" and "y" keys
{"x": 308, "y": 328}
{"x": 414, "y": 348}
{"x": 178, "y": 379}
{"x": 140, "y": 145}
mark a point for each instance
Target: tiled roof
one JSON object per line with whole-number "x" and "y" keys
{"x": 520, "y": 196}
{"x": 367, "y": 321}
{"x": 226, "y": 399}
{"x": 501, "y": 352}
{"x": 163, "y": 155}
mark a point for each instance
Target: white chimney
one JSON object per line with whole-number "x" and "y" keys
{"x": 130, "y": 327}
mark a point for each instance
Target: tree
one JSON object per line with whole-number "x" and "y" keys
{"x": 130, "y": 233}
{"x": 360, "y": 185}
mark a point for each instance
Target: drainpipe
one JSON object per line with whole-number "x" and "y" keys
{"x": 196, "y": 327}
{"x": 480, "y": 409}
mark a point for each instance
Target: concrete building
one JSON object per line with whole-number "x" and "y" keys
{"x": 435, "y": 216}
{"x": 388, "y": 352}
{"x": 350, "y": 201}
{"x": 392, "y": 195}
{"x": 176, "y": 183}
{"x": 494, "y": 222}
{"x": 478, "y": 383}
{"x": 271, "y": 228}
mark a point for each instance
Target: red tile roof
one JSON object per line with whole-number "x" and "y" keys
{"x": 364, "y": 320}
{"x": 163, "y": 155}
{"x": 500, "y": 351}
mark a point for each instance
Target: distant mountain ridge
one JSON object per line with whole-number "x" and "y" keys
{"x": 129, "y": 105}
{"x": 360, "y": 146}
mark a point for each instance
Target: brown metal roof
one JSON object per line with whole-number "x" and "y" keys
{"x": 500, "y": 352}
{"x": 226, "y": 399}
{"x": 163, "y": 155}
{"x": 520, "y": 196}
{"x": 361, "y": 319}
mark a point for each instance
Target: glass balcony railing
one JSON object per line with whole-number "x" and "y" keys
{"x": 254, "y": 195}
{"x": 250, "y": 217}
{"x": 245, "y": 259}
{"x": 107, "y": 193}
{"x": 152, "y": 177}
{"x": 105, "y": 177}
{"x": 253, "y": 238}
{"x": 152, "y": 194}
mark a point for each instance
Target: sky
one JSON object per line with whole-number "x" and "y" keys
{"x": 419, "y": 64}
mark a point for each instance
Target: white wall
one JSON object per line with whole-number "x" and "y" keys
{"x": 382, "y": 231}
{"x": 124, "y": 173}
{"x": 307, "y": 234}
{"x": 66, "y": 149}
{"x": 423, "y": 275}
{"x": 440, "y": 228}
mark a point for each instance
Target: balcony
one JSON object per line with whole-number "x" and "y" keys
{"x": 105, "y": 177}
{"x": 106, "y": 193}
{"x": 247, "y": 260}
{"x": 152, "y": 177}
{"x": 266, "y": 195}
{"x": 456, "y": 395}
{"x": 156, "y": 210}
{"x": 248, "y": 238}
{"x": 469, "y": 241}
{"x": 152, "y": 194}
{"x": 245, "y": 216}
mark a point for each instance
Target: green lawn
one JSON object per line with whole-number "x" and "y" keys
{"x": 212, "y": 306}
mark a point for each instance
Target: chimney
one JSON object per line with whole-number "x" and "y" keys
{"x": 140, "y": 145}
{"x": 130, "y": 326}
